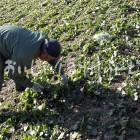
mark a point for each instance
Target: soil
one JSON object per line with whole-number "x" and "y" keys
{"x": 107, "y": 116}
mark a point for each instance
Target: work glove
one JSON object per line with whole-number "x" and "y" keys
{"x": 37, "y": 88}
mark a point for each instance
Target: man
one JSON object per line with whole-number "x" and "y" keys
{"x": 22, "y": 46}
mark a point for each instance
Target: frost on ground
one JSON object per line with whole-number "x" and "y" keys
{"x": 102, "y": 37}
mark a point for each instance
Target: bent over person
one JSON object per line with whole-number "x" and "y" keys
{"x": 21, "y": 46}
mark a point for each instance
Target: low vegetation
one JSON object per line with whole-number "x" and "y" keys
{"x": 101, "y": 56}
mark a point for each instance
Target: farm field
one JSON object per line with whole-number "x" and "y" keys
{"x": 101, "y": 56}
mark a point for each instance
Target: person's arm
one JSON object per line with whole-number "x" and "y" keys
{"x": 57, "y": 66}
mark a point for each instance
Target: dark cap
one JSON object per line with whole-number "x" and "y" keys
{"x": 52, "y": 47}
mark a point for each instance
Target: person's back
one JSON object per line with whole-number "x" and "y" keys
{"x": 19, "y": 44}
{"x": 7, "y": 34}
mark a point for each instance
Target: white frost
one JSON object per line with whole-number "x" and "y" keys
{"x": 102, "y": 37}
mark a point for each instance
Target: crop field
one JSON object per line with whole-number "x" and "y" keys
{"x": 101, "y": 56}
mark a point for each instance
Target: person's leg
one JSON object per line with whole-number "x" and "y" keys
{"x": 18, "y": 81}
{"x": 1, "y": 71}
{"x": 19, "y": 87}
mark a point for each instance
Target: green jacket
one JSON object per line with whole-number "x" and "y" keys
{"x": 21, "y": 46}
